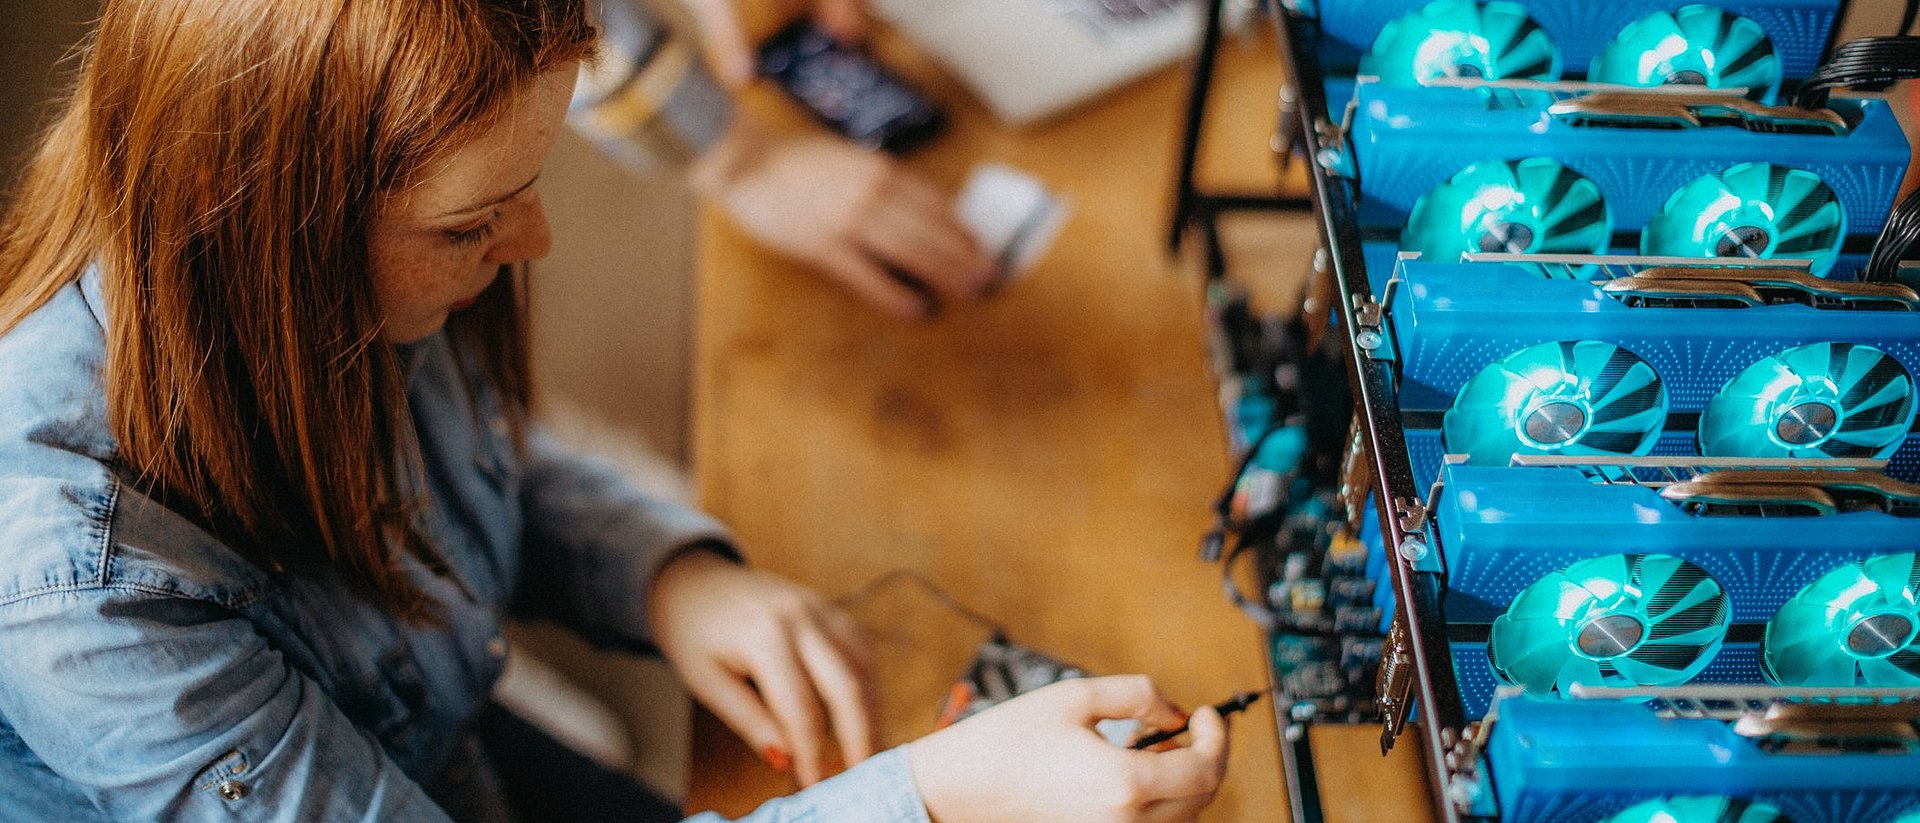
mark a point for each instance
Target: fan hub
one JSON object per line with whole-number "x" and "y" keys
{"x": 1610, "y": 636}
{"x": 1686, "y": 77}
{"x": 1806, "y": 424}
{"x": 1502, "y": 236}
{"x": 1555, "y": 423}
{"x": 1880, "y": 635}
{"x": 1743, "y": 241}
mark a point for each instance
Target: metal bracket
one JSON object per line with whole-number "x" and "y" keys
{"x": 1334, "y": 156}
{"x": 1411, "y": 515}
{"x": 1393, "y": 685}
{"x": 1368, "y": 332}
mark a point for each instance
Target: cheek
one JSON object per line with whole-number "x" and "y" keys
{"x": 409, "y": 280}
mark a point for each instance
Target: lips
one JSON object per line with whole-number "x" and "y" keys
{"x": 463, "y": 305}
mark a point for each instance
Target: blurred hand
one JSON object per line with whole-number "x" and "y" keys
{"x": 766, "y": 656}
{"x": 732, "y": 55}
{"x": 1037, "y": 757}
{"x": 859, "y": 217}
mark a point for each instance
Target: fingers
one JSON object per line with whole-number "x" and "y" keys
{"x": 1128, "y": 695}
{"x": 916, "y": 232}
{"x": 873, "y": 284}
{"x": 738, "y": 706}
{"x": 784, "y": 684}
{"x": 844, "y": 19}
{"x": 842, "y": 689}
{"x": 727, "y": 48}
{"x": 1189, "y": 772}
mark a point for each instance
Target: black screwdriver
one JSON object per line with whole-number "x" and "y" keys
{"x": 1236, "y": 703}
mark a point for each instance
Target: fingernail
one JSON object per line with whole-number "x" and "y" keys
{"x": 777, "y": 758}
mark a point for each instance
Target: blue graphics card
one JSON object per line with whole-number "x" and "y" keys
{"x": 1612, "y": 761}
{"x": 1409, "y": 142}
{"x": 1504, "y": 529}
{"x": 1580, "y": 31}
{"x": 1745, "y": 374}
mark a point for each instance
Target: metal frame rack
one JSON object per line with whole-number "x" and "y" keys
{"x": 1419, "y": 636}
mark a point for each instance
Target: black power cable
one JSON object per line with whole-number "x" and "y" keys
{"x": 1868, "y": 64}
{"x": 1898, "y": 240}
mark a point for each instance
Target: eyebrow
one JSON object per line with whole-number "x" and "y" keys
{"x": 495, "y": 201}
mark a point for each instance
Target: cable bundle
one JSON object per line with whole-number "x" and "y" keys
{"x": 1869, "y": 64}
{"x": 1897, "y": 240}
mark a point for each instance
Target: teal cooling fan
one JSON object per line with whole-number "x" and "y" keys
{"x": 1529, "y": 206}
{"x": 1819, "y": 400}
{"x": 1579, "y": 397}
{"x": 1696, "y": 45}
{"x": 1699, "y": 809}
{"x": 1618, "y": 620}
{"x": 1752, "y": 210}
{"x": 1853, "y": 626}
{"x": 1461, "y": 39}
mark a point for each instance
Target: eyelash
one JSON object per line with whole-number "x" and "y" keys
{"x": 476, "y": 235}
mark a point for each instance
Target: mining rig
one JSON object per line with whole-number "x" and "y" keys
{"x": 1589, "y": 465}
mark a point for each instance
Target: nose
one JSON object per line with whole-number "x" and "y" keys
{"x": 526, "y": 235}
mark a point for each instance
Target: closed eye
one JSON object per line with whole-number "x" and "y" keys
{"x": 477, "y": 234}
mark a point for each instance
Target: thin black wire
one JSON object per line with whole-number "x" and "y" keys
{"x": 1906, "y": 19}
{"x": 872, "y": 587}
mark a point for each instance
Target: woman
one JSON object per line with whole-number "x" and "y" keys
{"x": 270, "y": 486}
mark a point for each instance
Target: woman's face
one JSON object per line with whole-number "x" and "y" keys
{"x": 436, "y": 244}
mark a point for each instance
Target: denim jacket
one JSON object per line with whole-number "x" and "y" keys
{"x": 148, "y": 672}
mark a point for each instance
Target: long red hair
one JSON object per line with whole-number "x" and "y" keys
{"x": 219, "y": 162}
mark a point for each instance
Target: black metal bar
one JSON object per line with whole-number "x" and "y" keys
{"x": 1183, "y": 197}
{"x": 1418, "y": 593}
{"x": 1303, "y": 786}
{"x": 1190, "y": 205}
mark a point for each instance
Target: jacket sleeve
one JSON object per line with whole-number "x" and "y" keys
{"x": 879, "y": 790}
{"x": 593, "y": 542}
{"x": 161, "y": 707}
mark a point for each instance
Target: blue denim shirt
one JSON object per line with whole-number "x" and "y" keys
{"x": 148, "y": 672}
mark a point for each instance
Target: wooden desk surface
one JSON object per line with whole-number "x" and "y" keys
{"x": 1048, "y": 456}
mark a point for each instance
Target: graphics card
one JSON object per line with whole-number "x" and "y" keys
{"x": 1638, "y": 150}
{"x": 1718, "y": 754}
{"x": 1358, "y": 33}
{"x": 1504, "y": 528}
{"x": 1493, "y": 352}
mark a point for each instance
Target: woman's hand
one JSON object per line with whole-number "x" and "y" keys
{"x": 773, "y": 660}
{"x": 858, "y": 216}
{"x": 731, "y": 54}
{"x": 1036, "y": 757}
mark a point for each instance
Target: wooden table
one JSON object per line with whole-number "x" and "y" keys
{"x": 1049, "y": 456}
